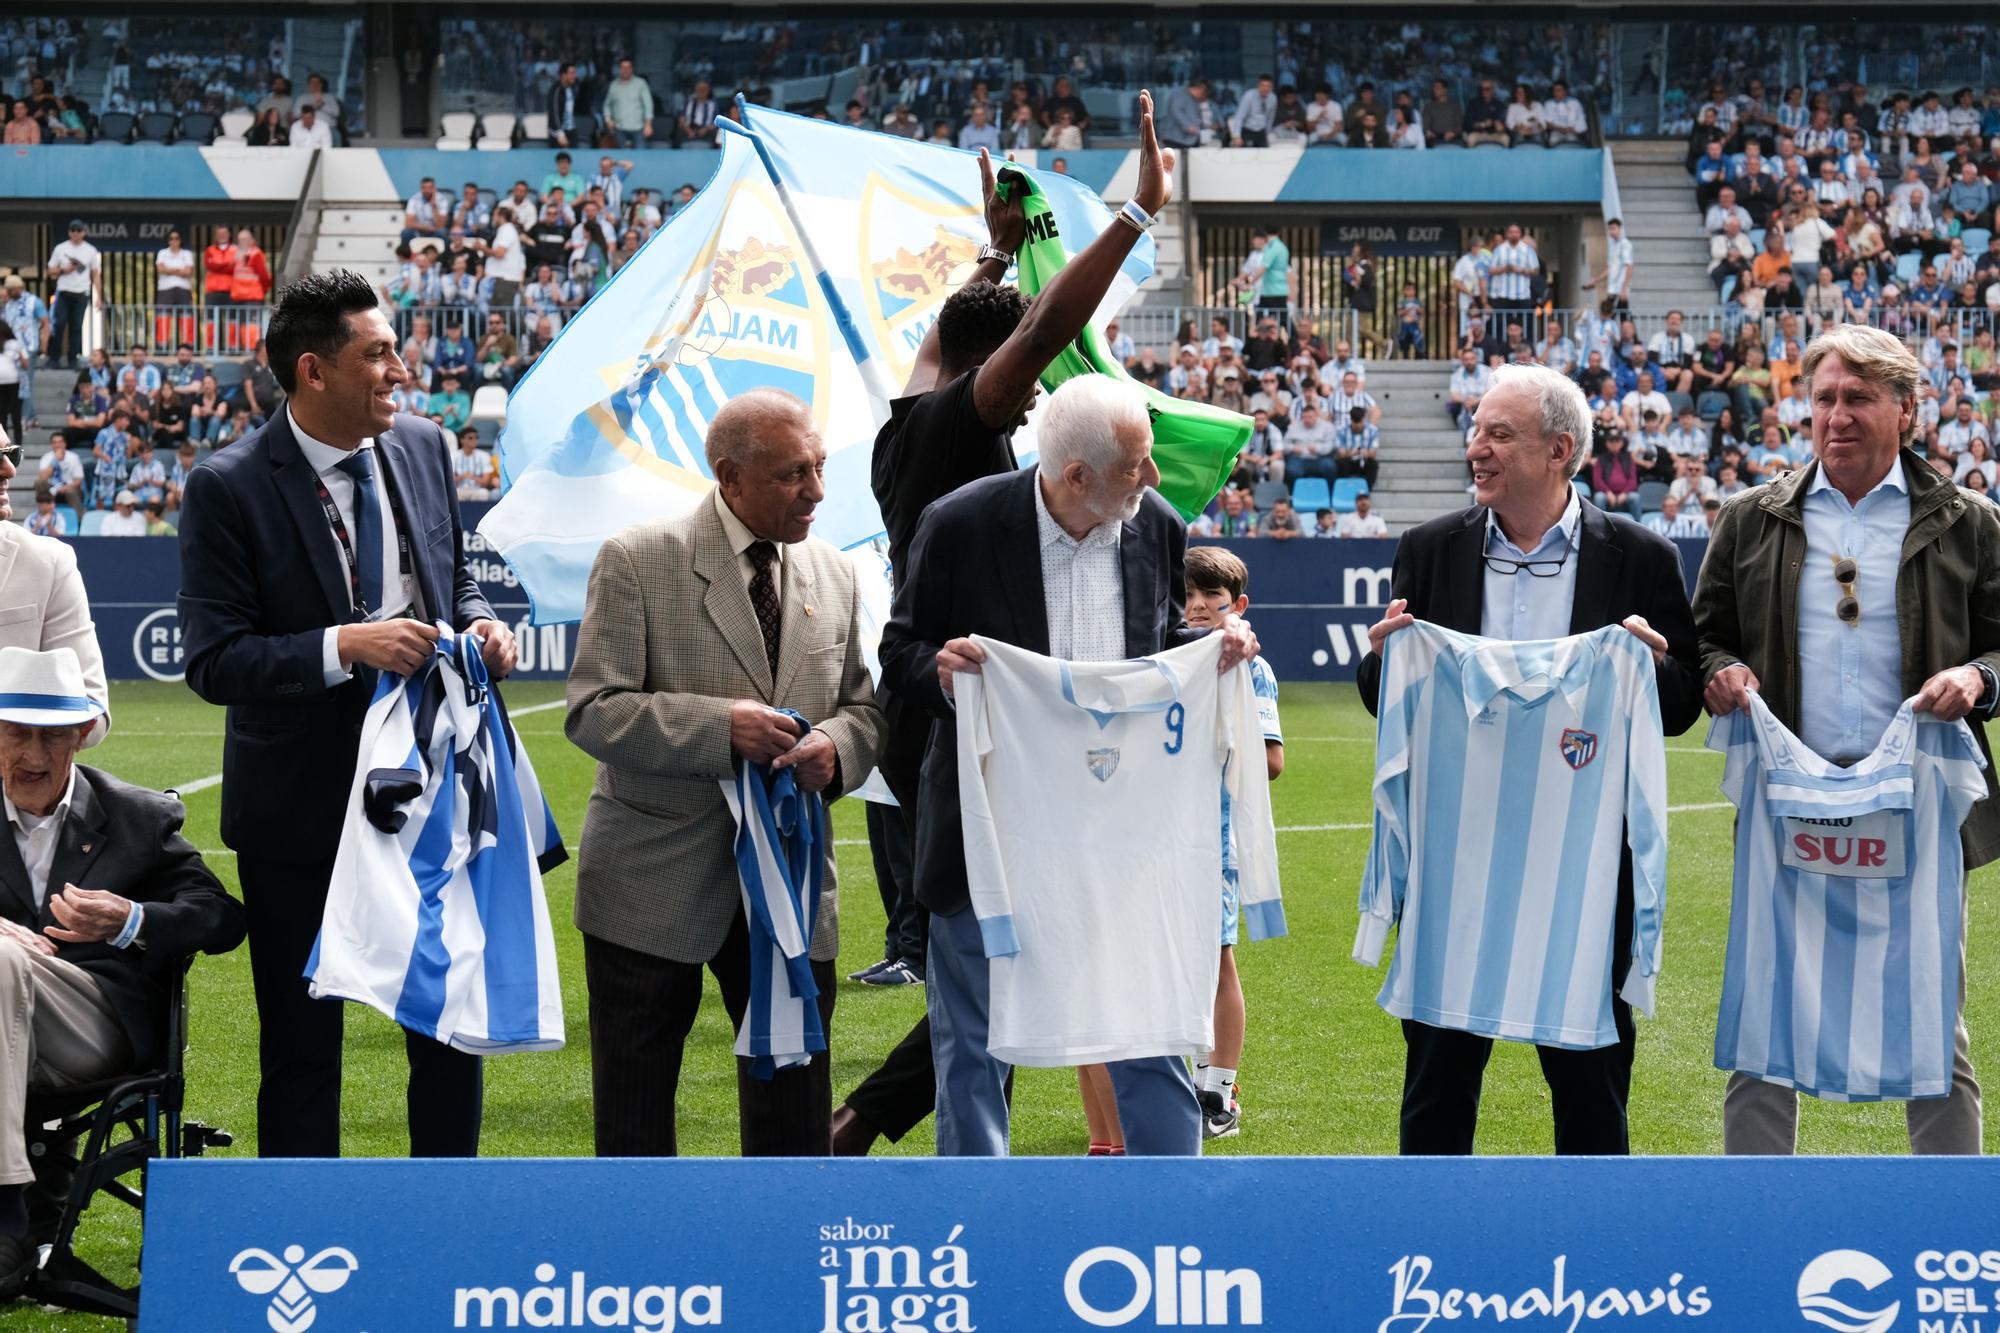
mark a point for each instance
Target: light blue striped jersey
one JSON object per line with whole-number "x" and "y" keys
{"x": 1265, "y": 685}
{"x": 1841, "y": 978}
{"x": 435, "y": 913}
{"x": 1509, "y": 779}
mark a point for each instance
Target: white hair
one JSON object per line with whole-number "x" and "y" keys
{"x": 1563, "y": 408}
{"x": 1078, "y": 424}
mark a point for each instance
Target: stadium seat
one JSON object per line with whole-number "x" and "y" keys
{"x": 1757, "y": 238}
{"x": 93, "y": 522}
{"x": 489, "y": 403}
{"x": 156, "y": 127}
{"x": 1345, "y": 491}
{"x": 457, "y": 127}
{"x": 1728, "y": 284}
{"x": 453, "y": 146}
{"x": 1311, "y": 494}
{"x": 115, "y": 127}
{"x": 1908, "y": 266}
{"x": 1265, "y": 493}
{"x": 1679, "y": 401}
{"x": 535, "y": 128}
{"x": 1652, "y": 496}
{"x": 1709, "y": 406}
{"x": 228, "y": 374}
{"x": 197, "y": 127}
{"x": 1976, "y": 239}
{"x": 496, "y": 133}
{"x": 70, "y": 1141}
{"x": 236, "y": 124}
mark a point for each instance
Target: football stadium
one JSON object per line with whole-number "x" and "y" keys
{"x": 657, "y": 670}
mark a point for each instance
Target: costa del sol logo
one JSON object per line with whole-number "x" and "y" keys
{"x": 290, "y": 1282}
{"x": 1819, "y": 1306}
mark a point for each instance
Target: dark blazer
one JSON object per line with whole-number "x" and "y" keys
{"x": 1622, "y": 570}
{"x": 975, "y": 567}
{"x": 584, "y": 104}
{"x": 261, "y": 579}
{"x": 127, "y": 840}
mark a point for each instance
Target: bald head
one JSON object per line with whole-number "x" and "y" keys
{"x": 749, "y": 421}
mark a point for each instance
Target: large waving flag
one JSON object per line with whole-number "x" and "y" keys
{"x": 606, "y": 429}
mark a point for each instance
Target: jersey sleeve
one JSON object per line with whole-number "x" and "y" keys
{"x": 985, "y": 870}
{"x": 1385, "y": 876}
{"x": 1964, "y": 766}
{"x": 1266, "y": 687}
{"x": 1645, "y": 826}
{"x": 1252, "y": 831}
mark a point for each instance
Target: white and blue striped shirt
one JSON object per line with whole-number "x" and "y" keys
{"x": 435, "y": 914}
{"x": 1509, "y": 778}
{"x": 1845, "y": 985}
{"x": 1521, "y": 255}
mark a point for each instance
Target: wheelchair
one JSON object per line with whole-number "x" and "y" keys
{"x": 77, "y": 1153}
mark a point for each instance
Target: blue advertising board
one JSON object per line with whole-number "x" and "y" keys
{"x": 1311, "y": 602}
{"x": 1296, "y": 1244}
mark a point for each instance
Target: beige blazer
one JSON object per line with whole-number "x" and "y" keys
{"x": 43, "y": 606}
{"x": 668, "y": 642}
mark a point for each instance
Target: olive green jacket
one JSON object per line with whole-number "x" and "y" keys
{"x": 1746, "y": 601}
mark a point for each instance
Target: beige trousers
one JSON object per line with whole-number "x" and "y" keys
{"x": 1762, "y": 1119}
{"x": 56, "y": 1028}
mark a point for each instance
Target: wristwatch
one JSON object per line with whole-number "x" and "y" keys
{"x": 987, "y": 252}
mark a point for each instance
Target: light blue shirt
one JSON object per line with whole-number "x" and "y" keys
{"x": 1856, "y": 671}
{"x": 1521, "y": 606}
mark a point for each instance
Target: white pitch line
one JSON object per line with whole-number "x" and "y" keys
{"x": 538, "y": 708}
{"x": 1370, "y": 740}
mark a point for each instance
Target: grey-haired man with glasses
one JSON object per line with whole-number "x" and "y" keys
{"x": 1533, "y": 559}
{"x": 1837, "y": 592}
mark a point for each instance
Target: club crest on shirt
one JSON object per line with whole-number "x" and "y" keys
{"x": 1577, "y": 748}
{"x": 1103, "y": 762}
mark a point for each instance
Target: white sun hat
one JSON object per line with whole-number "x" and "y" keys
{"x": 44, "y": 689}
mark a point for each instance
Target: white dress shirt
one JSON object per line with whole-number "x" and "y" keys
{"x": 741, "y": 539}
{"x": 326, "y": 461}
{"x": 36, "y": 837}
{"x": 317, "y": 135}
{"x": 1521, "y": 606}
{"x": 1083, "y": 588}
{"x": 1857, "y": 669}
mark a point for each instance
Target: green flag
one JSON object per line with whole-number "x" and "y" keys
{"x": 1194, "y": 445}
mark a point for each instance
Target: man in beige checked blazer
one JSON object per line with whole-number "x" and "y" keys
{"x": 696, "y": 631}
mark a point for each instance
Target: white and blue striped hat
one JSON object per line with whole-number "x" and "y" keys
{"x": 44, "y": 689}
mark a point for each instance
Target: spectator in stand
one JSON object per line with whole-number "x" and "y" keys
{"x": 1563, "y": 116}
{"x": 1363, "y": 522}
{"x": 262, "y": 394}
{"x": 1021, "y": 132}
{"x": 125, "y": 520}
{"x": 1615, "y": 278}
{"x": 47, "y": 520}
{"x": 1516, "y": 262}
{"x": 499, "y": 353}
{"x": 1671, "y": 352}
{"x": 1671, "y": 521}
{"x": 1365, "y": 130}
{"x": 628, "y": 107}
{"x": 1355, "y": 445}
{"x": 568, "y": 99}
{"x": 1227, "y": 392}
{"x": 23, "y": 312}
{"x": 1614, "y": 476}
{"x": 1524, "y": 117}
{"x": 1976, "y": 458}
{"x": 980, "y": 131}
{"x": 13, "y": 373}
{"x": 1323, "y": 119}
{"x": 1238, "y": 517}
{"x": 1281, "y": 522}
{"x": 185, "y": 461}
{"x": 62, "y": 472}
{"x": 1190, "y": 117}
{"x": 22, "y": 128}
{"x": 1469, "y": 383}
{"x": 563, "y": 184}
{"x": 309, "y": 131}
{"x": 1724, "y": 209}
{"x": 427, "y": 213}
{"x": 1062, "y": 135}
{"x": 1645, "y": 401}
{"x": 1485, "y": 118}
{"x": 695, "y": 126}
{"x": 111, "y": 450}
{"x": 477, "y": 473}
{"x": 1324, "y": 525}
{"x": 1309, "y": 447}
{"x": 1263, "y": 456}
{"x": 1406, "y": 130}
{"x": 1955, "y": 437}
{"x": 146, "y": 475}
{"x": 1444, "y": 119}
{"x": 1257, "y": 114}
{"x": 450, "y": 406}
{"x": 323, "y": 102}
{"x": 77, "y": 267}
{"x": 270, "y": 131}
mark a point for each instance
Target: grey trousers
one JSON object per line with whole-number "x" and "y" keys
{"x": 56, "y": 1028}
{"x": 1762, "y": 1119}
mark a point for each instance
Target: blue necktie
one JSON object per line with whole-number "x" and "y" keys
{"x": 360, "y": 465}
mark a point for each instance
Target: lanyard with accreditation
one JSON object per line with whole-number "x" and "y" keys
{"x": 353, "y": 562}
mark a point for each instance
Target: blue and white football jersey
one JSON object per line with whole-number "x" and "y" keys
{"x": 1090, "y": 794}
{"x": 1509, "y": 779}
{"x": 1265, "y": 686}
{"x": 1842, "y": 973}
{"x": 435, "y": 914}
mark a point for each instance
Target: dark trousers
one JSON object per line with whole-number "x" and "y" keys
{"x": 66, "y": 335}
{"x": 1588, "y": 1090}
{"x": 1279, "y": 308}
{"x": 1364, "y": 468}
{"x": 298, "y": 1045}
{"x": 908, "y": 925}
{"x": 641, "y": 1010}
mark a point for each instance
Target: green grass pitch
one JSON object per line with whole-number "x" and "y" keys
{"x": 1322, "y": 1073}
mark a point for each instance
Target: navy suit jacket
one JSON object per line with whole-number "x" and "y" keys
{"x": 261, "y": 580}
{"x": 975, "y": 567}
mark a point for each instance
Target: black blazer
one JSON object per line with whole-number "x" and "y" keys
{"x": 1622, "y": 570}
{"x": 127, "y": 840}
{"x": 583, "y": 100}
{"x": 261, "y": 580}
{"x": 975, "y": 567}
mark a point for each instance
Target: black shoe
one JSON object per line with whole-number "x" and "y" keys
{"x": 18, "y": 1257}
{"x": 1219, "y": 1120}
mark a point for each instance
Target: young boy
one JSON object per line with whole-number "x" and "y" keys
{"x": 1216, "y": 580}
{"x": 1410, "y": 324}
{"x": 1217, "y": 584}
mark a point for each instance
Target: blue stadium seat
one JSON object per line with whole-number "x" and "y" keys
{"x": 1975, "y": 239}
{"x": 92, "y": 522}
{"x": 114, "y": 127}
{"x": 1908, "y": 266}
{"x": 1728, "y": 287}
{"x": 156, "y": 127}
{"x": 1264, "y": 493}
{"x": 1757, "y": 237}
{"x": 1344, "y": 492}
{"x": 228, "y": 373}
{"x": 197, "y": 127}
{"x": 1311, "y": 494}
{"x": 1652, "y": 496}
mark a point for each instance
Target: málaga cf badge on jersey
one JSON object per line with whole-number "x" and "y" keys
{"x": 1103, "y": 762}
{"x": 1578, "y": 747}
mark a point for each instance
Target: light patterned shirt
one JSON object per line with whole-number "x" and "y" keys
{"x": 1083, "y": 587}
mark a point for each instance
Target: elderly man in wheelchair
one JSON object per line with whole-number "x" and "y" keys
{"x": 102, "y": 901}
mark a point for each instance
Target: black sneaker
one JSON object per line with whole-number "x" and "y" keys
{"x": 1219, "y": 1120}
{"x": 18, "y": 1257}
{"x": 871, "y": 970}
{"x": 898, "y": 973}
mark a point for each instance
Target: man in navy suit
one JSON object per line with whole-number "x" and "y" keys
{"x": 1091, "y": 567}
{"x": 322, "y": 548}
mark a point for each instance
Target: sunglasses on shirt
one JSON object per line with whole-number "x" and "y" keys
{"x": 1845, "y": 572}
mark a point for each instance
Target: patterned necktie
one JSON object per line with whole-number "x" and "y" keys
{"x": 764, "y": 598}
{"x": 360, "y": 465}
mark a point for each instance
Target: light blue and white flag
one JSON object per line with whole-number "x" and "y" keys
{"x": 606, "y": 429}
